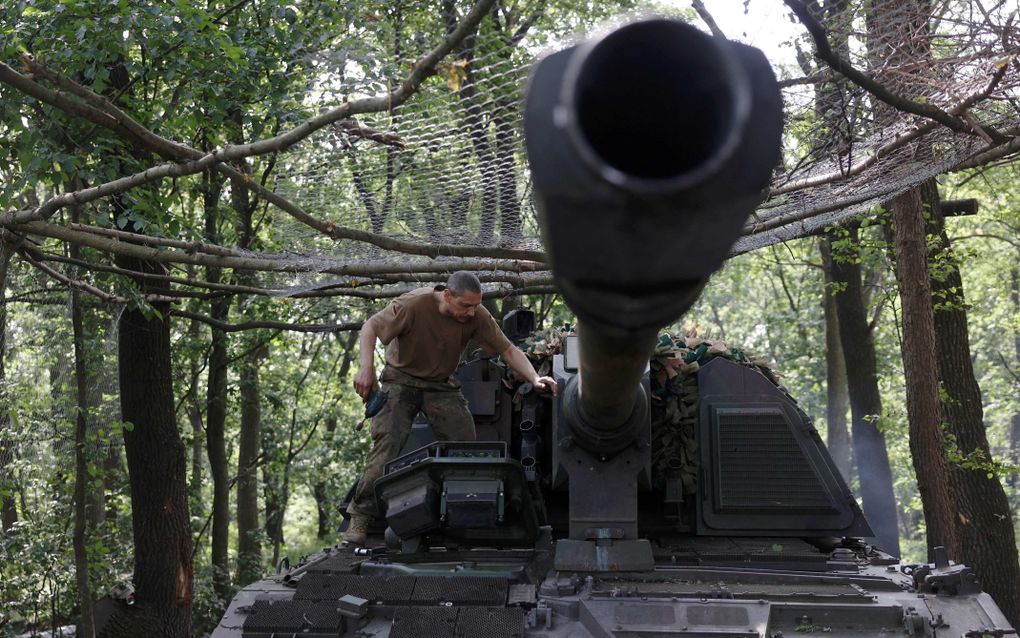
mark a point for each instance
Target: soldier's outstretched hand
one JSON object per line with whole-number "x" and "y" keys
{"x": 545, "y": 384}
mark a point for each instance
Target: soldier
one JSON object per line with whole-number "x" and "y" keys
{"x": 425, "y": 332}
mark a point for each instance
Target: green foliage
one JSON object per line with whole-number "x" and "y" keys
{"x": 975, "y": 459}
{"x": 771, "y": 304}
{"x": 986, "y": 248}
{"x": 36, "y": 555}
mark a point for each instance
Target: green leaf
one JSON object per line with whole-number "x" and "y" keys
{"x": 233, "y": 52}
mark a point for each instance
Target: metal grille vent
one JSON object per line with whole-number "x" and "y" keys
{"x": 454, "y": 622}
{"x": 311, "y": 619}
{"x": 496, "y": 622}
{"x": 372, "y": 589}
{"x": 463, "y": 590}
{"x": 761, "y": 465}
{"x": 424, "y": 622}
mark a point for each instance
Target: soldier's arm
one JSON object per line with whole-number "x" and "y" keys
{"x": 384, "y": 325}
{"x": 365, "y": 381}
{"x": 522, "y": 366}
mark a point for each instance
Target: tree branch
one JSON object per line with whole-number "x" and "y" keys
{"x": 707, "y": 18}
{"x": 26, "y": 253}
{"x": 352, "y": 287}
{"x": 257, "y": 325}
{"x": 814, "y": 78}
{"x": 843, "y": 67}
{"x": 990, "y": 155}
{"x": 106, "y": 114}
{"x": 527, "y": 23}
{"x": 276, "y": 263}
{"x": 899, "y": 140}
{"x": 1011, "y": 241}
{"x": 297, "y": 327}
{"x": 958, "y": 207}
{"x": 228, "y": 288}
{"x": 68, "y": 282}
{"x": 123, "y": 124}
{"x": 353, "y": 129}
{"x": 149, "y": 240}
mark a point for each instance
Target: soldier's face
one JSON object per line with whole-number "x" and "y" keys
{"x": 462, "y": 307}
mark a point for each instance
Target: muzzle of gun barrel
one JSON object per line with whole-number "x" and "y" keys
{"x": 649, "y": 147}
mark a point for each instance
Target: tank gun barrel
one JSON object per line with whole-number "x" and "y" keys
{"x": 649, "y": 147}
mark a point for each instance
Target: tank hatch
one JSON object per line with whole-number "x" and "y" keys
{"x": 764, "y": 469}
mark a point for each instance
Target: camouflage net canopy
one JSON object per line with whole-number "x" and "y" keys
{"x": 448, "y": 167}
{"x": 415, "y": 165}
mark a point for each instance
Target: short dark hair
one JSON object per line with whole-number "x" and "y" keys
{"x": 463, "y": 281}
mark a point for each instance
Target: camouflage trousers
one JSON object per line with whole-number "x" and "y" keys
{"x": 444, "y": 407}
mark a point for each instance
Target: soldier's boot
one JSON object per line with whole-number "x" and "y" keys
{"x": 357, "y": 530}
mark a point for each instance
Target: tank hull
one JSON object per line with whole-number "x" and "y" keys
{"x": 746, "y": 589}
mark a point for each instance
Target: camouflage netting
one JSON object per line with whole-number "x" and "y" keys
{"x": 376, "y": 203}
{"x": 454, "y": 173}
{"x": 674, "y": 387}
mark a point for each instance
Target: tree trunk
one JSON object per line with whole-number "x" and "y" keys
{"x": 899, "y": 46}
{"x": 218, "y": 463}
{"x": 869, "y": 448}
{"x": 160, "y": 520}
{"x": 86, "y": 627}
{"x": 113, "y": 473}
{"x": 156, "y": 466}
{"x": 8, "y": 484}
{"x": 272, "y": 488}
{"x": 324, "y": 501}
{"x": 216, "y": 448}
{"x": 97, "y": 428}
{"x": 216, "y": 405}
{"x": 837, "y": 394}
{"x": 830, "y": 107}
{"x": 60, "y": 390}
{"x": 249, "y": 546}
{"x": 1014, "y": 432}
{"x": 920, "y": 367}
{"x": 984, "y": 522}
{"x": 196, "y": 481}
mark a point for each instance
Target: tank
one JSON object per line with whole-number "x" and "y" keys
{"x": 649, "y": 147}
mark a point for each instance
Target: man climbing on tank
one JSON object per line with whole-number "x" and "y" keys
{"x": 425, "y": 332}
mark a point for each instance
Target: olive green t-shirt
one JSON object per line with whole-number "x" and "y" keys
{"x": 425, "y": 344}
